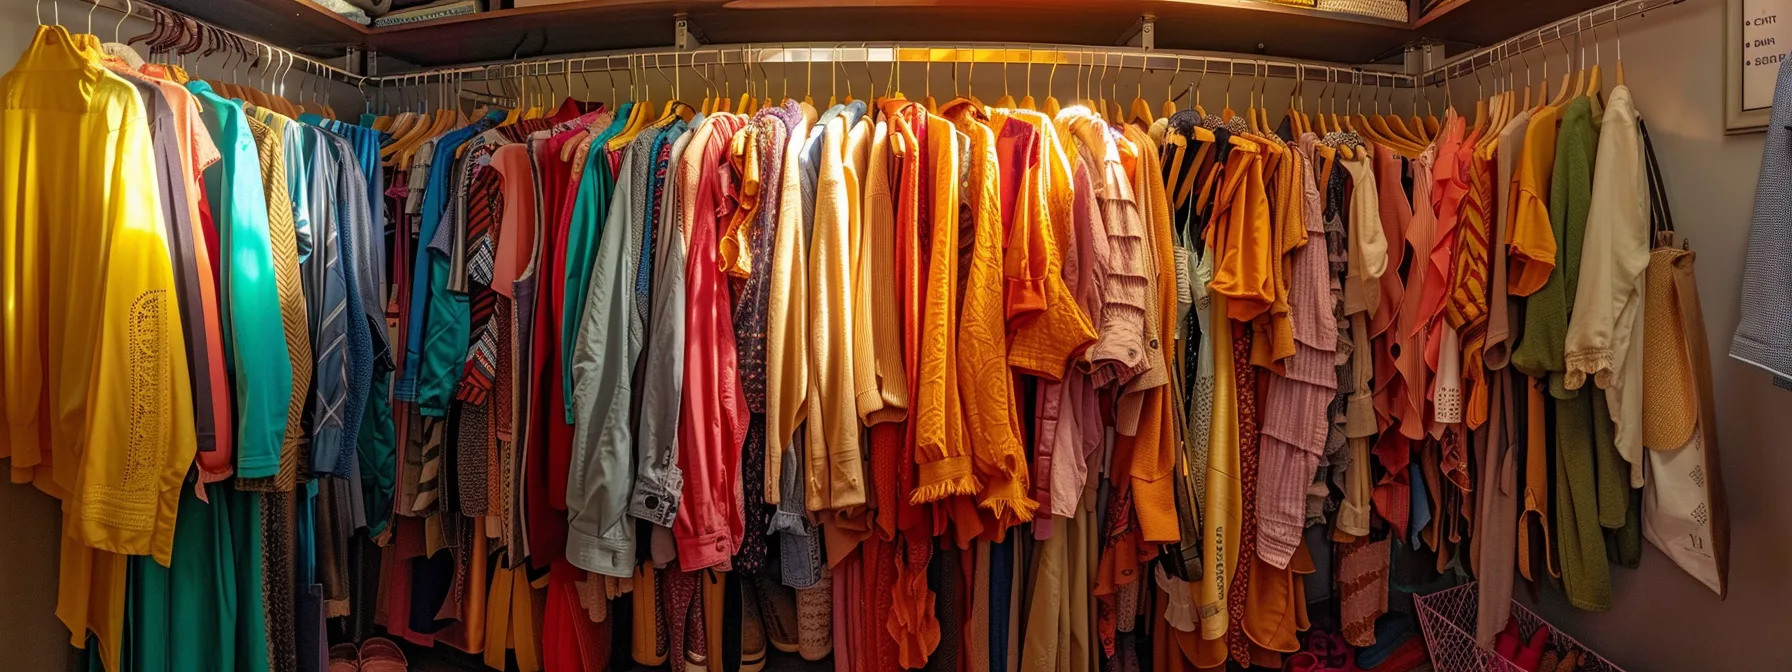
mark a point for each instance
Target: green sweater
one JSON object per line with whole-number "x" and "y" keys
{"x": 1589, "y": 475}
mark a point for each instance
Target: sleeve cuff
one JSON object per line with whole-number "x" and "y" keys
{"x": 609, "y": 557}
{"x": 703, "y": 551}
{"x": 654, "y": 502}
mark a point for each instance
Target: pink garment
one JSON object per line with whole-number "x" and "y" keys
{"x": 1119, "y": 352}
{"x": 1293, "y": 437}
{"x": 1070, "y": 428}
{"x": 713, "y": 414}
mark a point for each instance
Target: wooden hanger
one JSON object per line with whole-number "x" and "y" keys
{"x": 1250, "y": 108}
{"x": 1051, "y": 106}
{"x": 1562, "y": 95}
{"x": 1226, "y": 112}
{"x": 1139, "y": 112}
{"x": 1593, "y": 88}
{"x": 1168, "y": 109}
{"x": 1618, "y": 63}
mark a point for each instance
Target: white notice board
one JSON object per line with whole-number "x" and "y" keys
{"x": 1759, "y": 36}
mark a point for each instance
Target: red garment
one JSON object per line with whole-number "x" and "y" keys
{"x": 712, "y": 424}
{"x": 548, "y": 443}
{"x": 570, "y": 641}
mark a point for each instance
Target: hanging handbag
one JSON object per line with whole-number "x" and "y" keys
{"x": 1684, "y": 509}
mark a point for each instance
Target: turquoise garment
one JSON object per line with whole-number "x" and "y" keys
{"x": 250, "y": 306}
{"x": 205, "y": 611}
{"x": 591, "y": 206}
{"x": 448, "y": 314}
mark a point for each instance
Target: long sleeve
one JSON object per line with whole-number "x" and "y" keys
{"x": 600, "y": 535}
{"x": 835, "y": 477}
{"x": 881, "y": 381}
{"x": 787, "y": 319}
{"x": 984, "y": 381}
{"x": 944, "y": 463}
{"x": 139, "y": 436}
{"x": 658, "y": 480}
{"x": 1608, "y": 299}
{"x": 264, "y": 384}
{"x": 293, "y": 316}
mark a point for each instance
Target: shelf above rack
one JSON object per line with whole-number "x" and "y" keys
{"x": 1236, "y": 26}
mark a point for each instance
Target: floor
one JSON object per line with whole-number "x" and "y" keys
{"x": 442, "y": 659}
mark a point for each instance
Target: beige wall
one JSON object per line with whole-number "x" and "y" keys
{"x": 1661, "y": 619}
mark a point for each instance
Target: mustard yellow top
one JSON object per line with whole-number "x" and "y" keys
{"x": 984, "y": 381}
{"x": 1533, "y": 252}
{"x": 1048, "y": 327}
{"x": 944, "y": 464}
{"x": 98, "y": 404}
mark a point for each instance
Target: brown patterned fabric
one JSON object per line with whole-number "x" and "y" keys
{"x": 1362, "y": 584}
{"x": 293, "y": 317}
{"x": 1237, "y": 642}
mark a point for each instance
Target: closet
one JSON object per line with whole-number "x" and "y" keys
{"x": 521, "y": 339}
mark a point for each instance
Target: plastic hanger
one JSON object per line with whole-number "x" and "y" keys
{"x": 1139, "y": 111}
{"x": 1051, "y": 76}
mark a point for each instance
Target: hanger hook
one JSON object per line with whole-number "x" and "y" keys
{"x": 1618, "y": 33}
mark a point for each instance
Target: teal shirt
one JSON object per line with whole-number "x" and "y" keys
{"x": 254, "y": 335}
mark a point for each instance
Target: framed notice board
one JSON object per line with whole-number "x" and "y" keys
{"x": 1758, "y": 35}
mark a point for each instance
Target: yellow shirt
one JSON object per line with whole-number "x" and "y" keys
{"x": 881, "y": 377}
{"x": 1222, "y": 516}
{"x": 1043, "y": 340}
{"x": 98, "y": 403}
{"x": 836, "y": 474}
{"x": 787, "y": 320}
{"x": 1533, "y": 251}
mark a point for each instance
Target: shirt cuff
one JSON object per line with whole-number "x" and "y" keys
{"x": 654, "y": 502}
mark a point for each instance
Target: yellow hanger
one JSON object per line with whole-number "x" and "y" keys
{"x": 1226, "y": 112}
{"x": 1026, "y": 101}
{"x": 1200, "y": 111}
{"x": 1249, "y": 108}
{"x": 1051, "y": 101}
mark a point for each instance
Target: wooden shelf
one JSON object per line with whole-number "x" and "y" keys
{"x": 1237, "y": 26}
{"x": 302, "y": 26}
{"x": 1466, "y": 24}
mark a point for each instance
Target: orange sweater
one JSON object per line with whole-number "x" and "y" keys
{"x": 984, "y": 380}
{"x": 940, "y": 454}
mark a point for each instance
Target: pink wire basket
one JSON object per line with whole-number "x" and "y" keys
{"x": 1448, "y": 620}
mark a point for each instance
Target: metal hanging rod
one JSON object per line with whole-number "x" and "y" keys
{"x": 1116, "y": 58}
{"x": 1531, "y": 40}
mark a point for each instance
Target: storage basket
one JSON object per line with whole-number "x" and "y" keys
{"x": 1392, "y": 10}
{"x": 1448, "y": 620}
